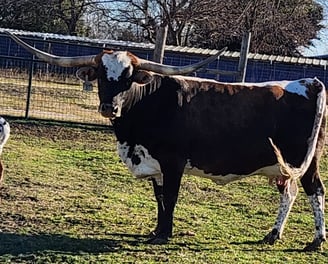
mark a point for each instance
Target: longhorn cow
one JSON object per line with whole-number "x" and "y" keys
{"x": 167, "y": 124}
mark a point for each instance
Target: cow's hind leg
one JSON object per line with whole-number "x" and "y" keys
{"x": 288, "y": 191}
{"x": 315, "y": 190}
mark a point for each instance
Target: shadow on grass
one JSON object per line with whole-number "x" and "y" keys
{"x": 259, "y": 244}
{"x": 20, "y": 244}
{"x": 16, "y": 244}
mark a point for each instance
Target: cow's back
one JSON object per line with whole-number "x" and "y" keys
{"x": 228, "y": 127}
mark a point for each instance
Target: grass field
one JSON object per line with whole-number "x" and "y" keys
{"x": 67, "y": 198}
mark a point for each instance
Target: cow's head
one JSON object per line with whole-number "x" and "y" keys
{"x": 115, "y": 70}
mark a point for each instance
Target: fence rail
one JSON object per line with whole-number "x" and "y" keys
{"x": 32, "y": 89}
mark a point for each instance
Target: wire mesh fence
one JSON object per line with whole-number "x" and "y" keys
{"x": 30, "y": 88}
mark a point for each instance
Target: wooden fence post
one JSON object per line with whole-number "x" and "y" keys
{"x": 161, "y": 35}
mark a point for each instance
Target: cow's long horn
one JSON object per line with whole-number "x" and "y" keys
{"x": 175, "y": 70}
{"x": 56, "y": 60}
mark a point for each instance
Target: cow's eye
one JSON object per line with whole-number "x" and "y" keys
{"x": 127, "y": 72}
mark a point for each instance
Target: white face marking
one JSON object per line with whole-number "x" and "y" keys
{"x": 269, "y": 171}
{"x": 4, "y": 132}
{"x": 115, "y": 63}
{"x": 148, "y": 167}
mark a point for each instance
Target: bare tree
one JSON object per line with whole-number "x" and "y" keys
{"x": 147, "y": 15}
{"x": 278, "y": 27}
{"x": 160, "y": 21}
{"x": 70, "y": 12}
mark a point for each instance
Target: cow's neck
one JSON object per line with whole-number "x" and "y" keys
{"x": 139, "y": 98}
{"x": 138, "y": 92}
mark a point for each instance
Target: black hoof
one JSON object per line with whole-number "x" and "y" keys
{"x": 156, "y": 233}
{"x": 157, "y": 240}
{"x": 271, "y": 238}
{"x": 316, "y": 245}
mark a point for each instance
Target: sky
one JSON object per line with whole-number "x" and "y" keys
{"x": 321, "y": 45}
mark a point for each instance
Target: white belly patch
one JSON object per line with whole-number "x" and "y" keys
{"x": 141, "y": 164}
{"x": 269, "y": 171}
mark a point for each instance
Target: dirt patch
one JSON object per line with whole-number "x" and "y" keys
{"x": 57, "y": 131}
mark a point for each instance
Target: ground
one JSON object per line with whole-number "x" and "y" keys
{"x": 67, "y": 198}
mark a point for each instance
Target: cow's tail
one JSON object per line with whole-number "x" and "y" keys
{"x": 288, "y": 170}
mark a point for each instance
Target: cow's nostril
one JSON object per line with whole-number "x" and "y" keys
{"x": 104, "y": 107}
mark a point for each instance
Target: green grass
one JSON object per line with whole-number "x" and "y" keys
{"x": 67, "y": 198}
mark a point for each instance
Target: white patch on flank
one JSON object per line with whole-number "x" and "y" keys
{"x": 148, "y": 166}
{"x": 269, "y": 171}
{"x": 116, "y": 63}
{"x": 4, "y": 132}
{"x": 297, "y": 86}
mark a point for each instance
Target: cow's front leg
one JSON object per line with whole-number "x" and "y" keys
{"x": 158, "y": 192}
{"x": 166, "y": 203}
{"x": 288, "y": 191}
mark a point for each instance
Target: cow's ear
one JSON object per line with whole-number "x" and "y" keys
{"x": 86, "y": 74}
{"x": 142, "y": 77}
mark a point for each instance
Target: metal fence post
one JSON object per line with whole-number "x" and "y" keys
{"x": 29, "y": 88}
{"x": 243, "y": 56}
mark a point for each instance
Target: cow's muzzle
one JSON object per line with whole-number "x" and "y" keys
{"x": 106, "y": 110}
